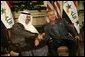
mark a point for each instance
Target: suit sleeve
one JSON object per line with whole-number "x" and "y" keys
{"x": 46, "y": 39}
{"x": 47, "y": 36}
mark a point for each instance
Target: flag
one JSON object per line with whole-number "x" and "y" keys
{"x": 71, "y": 11}
{"x": 54, "y": 5}
{"x": 76, "y": 3}
{"x": 9, "y": 2}
{"x": 6, "y": 15}
{"x": 58, "y": 8}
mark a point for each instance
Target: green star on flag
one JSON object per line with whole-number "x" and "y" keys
{"x": 6, "y": 17}
{"x": 77, "y": 22}
{"x": 68, "y": 7}
{"x": 3, "y": 10}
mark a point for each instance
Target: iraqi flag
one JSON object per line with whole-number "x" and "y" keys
{"x": 6, "y": 15}
{"x": 71, "y": 11}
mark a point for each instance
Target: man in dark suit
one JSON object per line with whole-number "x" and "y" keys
{"x": 60, "y": 33}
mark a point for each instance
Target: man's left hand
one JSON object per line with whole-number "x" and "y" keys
{"x": 77, "y": 37}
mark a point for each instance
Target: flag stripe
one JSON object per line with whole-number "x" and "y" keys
{"x": 9, "y": 3}
{"x": 75, "y": 3}
{"x": 50, "y": 5}
{"x": 54, "y": 5}
{"x": 56, "y": 10}
{"x": 57, "y": 4}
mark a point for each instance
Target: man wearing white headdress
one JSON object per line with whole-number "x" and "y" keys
{"x": 23, "y": 34}
{"x": 28, "y": 26}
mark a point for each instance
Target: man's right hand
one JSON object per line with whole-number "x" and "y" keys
{"x": 12, "y": 53}
{"x": 39, "y": 39}
{"x": 36, "y": 42}
{"x": 41, "y": 36}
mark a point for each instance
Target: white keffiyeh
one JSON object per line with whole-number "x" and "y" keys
{"x": 29, "y": 26}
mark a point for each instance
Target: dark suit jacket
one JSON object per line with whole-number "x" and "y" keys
{"x": 60, "y": 30}
{"x": 22, "y": 39}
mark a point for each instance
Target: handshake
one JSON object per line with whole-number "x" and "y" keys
{"x": 39, "y": 39}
